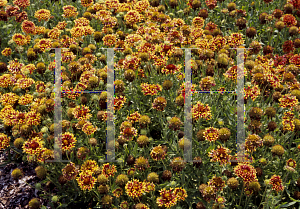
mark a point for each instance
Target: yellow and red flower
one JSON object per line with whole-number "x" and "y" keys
{"x": 167, "y": 198}
{"x": 221, "y": 155}
{"x": 33, "y": 146}
{"x": 42, "y": 14}
{"x": 86, "y": 181}
{"x": 180, "y": 193}
{"x": 276, "y": 183}
{"x": 201, "y": 111}
{"x": 90, "y": 166}
{"x": 245, "y": 171}
{"x": 135, "y": 188}
{"x": 211, "y": 134}
{"x": 109, "y": 170}
{"x": 4, "y": 141}
{"x": 68, "y": 141}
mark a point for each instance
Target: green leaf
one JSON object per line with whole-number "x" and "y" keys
{"x": 287, "y": 205}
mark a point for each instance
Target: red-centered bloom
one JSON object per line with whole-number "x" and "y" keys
{"x": 211, "y": 134}
{"x": 276, "y": 183}
{"x": 180, "y": 193}
{"x": 33, "y": 146}
{"x": 109, "y": 170}
{"x": 201, "y": 111}
{"x": 4, "y": 141}
{"x": 19, "y": 39}
{"x": 44, "y": 44}
{"x": 158, "y": 153}
{"x": 28, "y": 27}
{"x": 131, "y": 62}
{"x": 150, "y": 89}
{"x": 82, "y": 112}
{"x": 221, "y": 155}
{"x": 135, "y": 188}
{"x": 167, "y": 198}
{"x": 245, "y": 171}
{"x": 288, "y": 101}
{"x": 171, "y": 69}
{"x": 289, "y": 20}
{"x": 70, "y": 171}
{"x": 90, "y": 166}
{"x": 68, "y": 141}
{"x": 86, "y": 181}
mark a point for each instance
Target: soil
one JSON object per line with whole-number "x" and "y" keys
{"x": 16, "y": 194}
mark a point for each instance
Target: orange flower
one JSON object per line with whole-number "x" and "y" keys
{"x": 109, "y": 40}
{"x": 19, "y": 39}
